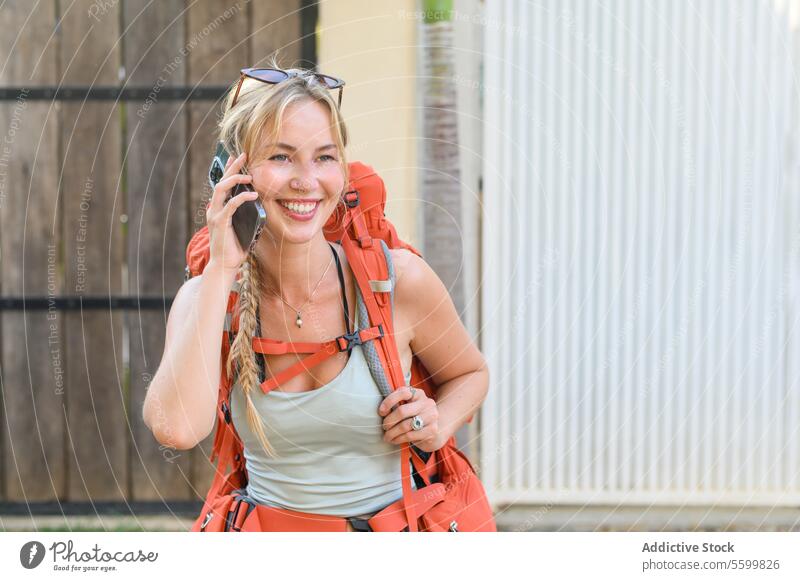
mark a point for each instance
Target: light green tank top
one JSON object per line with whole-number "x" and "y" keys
{"x": 331, "y": 457}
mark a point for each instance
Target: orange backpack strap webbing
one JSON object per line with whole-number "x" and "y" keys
{"x": 367, "y": 261}
{"x": 227, "y": 447}
{"x": 274, "y": 347}
{"x": 321, "y": 352}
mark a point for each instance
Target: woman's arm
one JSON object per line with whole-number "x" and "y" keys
{"x": 180, "y": 405}
{"x": 442, "y": 344}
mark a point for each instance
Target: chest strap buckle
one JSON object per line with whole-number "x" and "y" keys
{"x": 349, "y": 340}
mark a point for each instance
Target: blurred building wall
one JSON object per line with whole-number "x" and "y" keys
{"x": 371, "y": 45}
{"x": 641, "y": 254}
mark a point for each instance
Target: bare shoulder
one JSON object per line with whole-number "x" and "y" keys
{"x": 436, "y": 333}
{"x": 404, "y": 261}
{"x": 417, "y": 286}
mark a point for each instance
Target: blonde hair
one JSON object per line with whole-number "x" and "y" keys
{"x": 257, "y": 115}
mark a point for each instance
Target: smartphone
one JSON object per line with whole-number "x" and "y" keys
{"x": 249, "y": 219}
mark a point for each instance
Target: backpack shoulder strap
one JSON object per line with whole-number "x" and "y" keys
{"x": 370, "y": 349}
{"x": 419, "y": 457}
{"x": 226, "y": 441}
{"x": 369, "y": 263}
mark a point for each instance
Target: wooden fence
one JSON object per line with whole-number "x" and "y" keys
{"x": 106, "y": 128}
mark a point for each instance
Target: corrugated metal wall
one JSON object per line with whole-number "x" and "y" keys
{"x": 640, "y": 247}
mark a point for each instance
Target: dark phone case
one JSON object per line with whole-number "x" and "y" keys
{"x": 250, "y": 217}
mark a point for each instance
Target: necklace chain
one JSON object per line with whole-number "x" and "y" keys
{"x": 299, "y": 320}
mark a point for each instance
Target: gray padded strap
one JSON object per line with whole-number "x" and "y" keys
{"x": 370, "y": 351}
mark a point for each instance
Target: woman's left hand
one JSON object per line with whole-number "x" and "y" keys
{"x": 397, "y": 422}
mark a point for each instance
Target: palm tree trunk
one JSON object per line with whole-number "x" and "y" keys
{"x": 439, "y": 165}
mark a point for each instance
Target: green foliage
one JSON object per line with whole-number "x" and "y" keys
{"x": 437, "y": 10}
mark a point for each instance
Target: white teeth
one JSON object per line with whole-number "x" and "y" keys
{"x": 299, "y": 208}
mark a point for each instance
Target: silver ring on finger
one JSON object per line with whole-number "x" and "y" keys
{"x": 417, "y": 423}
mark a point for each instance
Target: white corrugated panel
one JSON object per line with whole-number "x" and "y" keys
{"x": 640, "y": 252}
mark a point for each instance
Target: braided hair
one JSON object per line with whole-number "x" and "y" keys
{"x": 258, "y": 112}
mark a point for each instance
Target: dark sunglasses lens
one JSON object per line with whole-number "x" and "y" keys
{"x": 330, "y": 82}
{"x": 268, "y": 75}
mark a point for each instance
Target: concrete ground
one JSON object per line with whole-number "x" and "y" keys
{"x": 111, "y": 523}
{"x": 515, "y": 519}
{"x": 646, "y": 518}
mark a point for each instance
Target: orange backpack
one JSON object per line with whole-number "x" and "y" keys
{"x": 449, "y": 495}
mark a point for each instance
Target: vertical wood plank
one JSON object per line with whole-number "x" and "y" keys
{"x": 97, "y": 430}
{"x": 157, "y": 223}
{"x": 31, "y": 445}
{"x": 277, "y": 26}
{"x": 217, "y": 33}
{"x": 215, "y": 58}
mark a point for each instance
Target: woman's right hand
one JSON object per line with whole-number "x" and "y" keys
{"x": 224, "y": 246}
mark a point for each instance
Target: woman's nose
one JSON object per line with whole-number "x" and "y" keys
{"x": 303, "y": 180}
{"x": 301, "y": 184}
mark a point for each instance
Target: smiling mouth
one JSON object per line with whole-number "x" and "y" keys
{"x": 300, "y": 208}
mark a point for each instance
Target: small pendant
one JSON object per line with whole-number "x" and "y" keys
{"x": 299, "y": 321}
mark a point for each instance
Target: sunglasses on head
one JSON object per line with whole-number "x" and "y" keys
{"x": 275, "y": 76}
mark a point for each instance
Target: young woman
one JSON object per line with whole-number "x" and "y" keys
{"x": 324, "y": 442}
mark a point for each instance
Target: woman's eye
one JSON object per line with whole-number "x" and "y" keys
{"x": 284, "y": 157}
